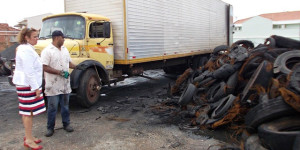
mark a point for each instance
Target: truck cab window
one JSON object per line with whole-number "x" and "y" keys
{"x": 72, "y": 26}
{"x": 96, "y": 30}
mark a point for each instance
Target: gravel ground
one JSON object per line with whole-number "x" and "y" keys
{"x": 128, "y": 116}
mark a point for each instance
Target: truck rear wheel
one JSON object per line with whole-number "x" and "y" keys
{"x": 89, "y": 88}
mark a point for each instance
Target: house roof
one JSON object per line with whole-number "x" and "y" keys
{"x": 5, "y": 27}
{"x": 280, "y": 16}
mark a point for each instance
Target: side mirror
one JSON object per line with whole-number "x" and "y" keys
{"x": 106, "y": 29}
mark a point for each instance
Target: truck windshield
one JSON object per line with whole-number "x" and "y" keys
{"x": 72, "y": 26}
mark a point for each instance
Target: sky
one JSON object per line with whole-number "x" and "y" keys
{"x": 248, "y": 8}
{"x": 14, "y": 11}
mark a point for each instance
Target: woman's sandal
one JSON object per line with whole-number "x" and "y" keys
{"x": 36, "y": 141}
{"x": 26, "y": 146}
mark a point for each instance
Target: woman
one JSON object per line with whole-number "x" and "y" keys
{"x": 28, "y": 80}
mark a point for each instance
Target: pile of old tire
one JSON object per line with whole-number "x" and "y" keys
{"x": 5, "y": 66}
{"x": 6, "y": 57}
{"x": 255, "y": 89}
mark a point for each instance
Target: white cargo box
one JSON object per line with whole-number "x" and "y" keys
{"x": 147, "y": 30}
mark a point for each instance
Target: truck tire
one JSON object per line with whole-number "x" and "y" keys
{"x": 89, "y": 88}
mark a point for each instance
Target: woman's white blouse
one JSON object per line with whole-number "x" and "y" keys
{"x": 29, "y": 69}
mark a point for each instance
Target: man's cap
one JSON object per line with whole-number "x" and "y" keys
{"x": 57, "y": 33}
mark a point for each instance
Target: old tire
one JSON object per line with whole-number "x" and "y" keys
{"x": 231, "y": 83}
{"x": 187, "y": 95}
{"x": 199, "y": 61}
{"x": 270, "y": 42}
{"x": 245, "y": 43}
{"x": 262, "y": 76}
{"x": 220, "y": 48}
{"x": 295, "y": 78}
{"x": 297, "y": 143}
{"x": 223, "y": 107}
{"x": 284, "y": 42}
{"x": 267, "y": 111}
{"x": 281, "y": 133}
{"x": 89, "y": 88}
{"x": 280, "y": 64}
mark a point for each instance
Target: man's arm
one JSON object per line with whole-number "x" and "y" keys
{"x": 51, "y": 70}
{"x": 71, "y": 65}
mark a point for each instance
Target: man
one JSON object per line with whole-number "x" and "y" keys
{"x": 56, "y": 63}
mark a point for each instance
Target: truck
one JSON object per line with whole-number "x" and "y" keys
{"x": 115, "y": 39}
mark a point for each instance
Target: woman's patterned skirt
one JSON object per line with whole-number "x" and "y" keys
{"x": 28, "y": 103}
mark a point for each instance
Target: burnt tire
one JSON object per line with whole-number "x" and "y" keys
{"x": 187, "y": 95}
{"x": 224, "y": 71}
{"x": 245, "y": 43}
{"x": 284, "y": 42}
{"x": 262, "y": 76}
{"x": 267, "y": 111}
{"x": 297, "y": 143}
{"x": 280, "y": 64}
{"x": 231, "y": 83}
{"x": 281, "y": 133}
{"x": 212, "y": 92}
{"x": 199, "y": 61}
{"x": 89, "y": 88}
{"x": 223, "y": 107}
{"x": 270, "y": 42}
{"x": 220, "y": 48}
{"x": 295, "y": 78}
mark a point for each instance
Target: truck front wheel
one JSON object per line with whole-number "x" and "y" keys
{"x": 89, "y": 88}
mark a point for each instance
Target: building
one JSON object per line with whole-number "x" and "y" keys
{"x": 36, "y": 21}
{"x": 8, "y": 36}
{"x": 32, "y": 22}
{"x": 258, "y": 28}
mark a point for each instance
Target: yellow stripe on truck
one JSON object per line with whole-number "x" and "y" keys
{"x": 141, "y": 60}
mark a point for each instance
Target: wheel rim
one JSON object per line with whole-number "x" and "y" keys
{"x": 93, "y": 89}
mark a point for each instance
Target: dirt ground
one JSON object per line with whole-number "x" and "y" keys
{"x": 130, "y": 116}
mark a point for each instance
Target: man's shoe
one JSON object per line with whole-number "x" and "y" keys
{"x": 68, "y": 128}
{"x": 49, "y": 132}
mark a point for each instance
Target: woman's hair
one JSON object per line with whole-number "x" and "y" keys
{"x": 25, "y": 32}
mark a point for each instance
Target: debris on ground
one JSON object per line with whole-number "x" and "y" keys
{"x": 244, "y": 88}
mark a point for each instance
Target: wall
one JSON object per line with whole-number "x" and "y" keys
{"x": 36, "y": 21}
{"x": 257, "y": 29}
{"x": 7, "y": 36}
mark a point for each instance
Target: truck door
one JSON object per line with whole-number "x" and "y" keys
{"x": 100, "y": 43}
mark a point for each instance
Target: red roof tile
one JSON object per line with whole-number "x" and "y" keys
{"x": 241, "y": 21}
{"x": 281, "y": 16}
{"x": 5, "y": 27}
